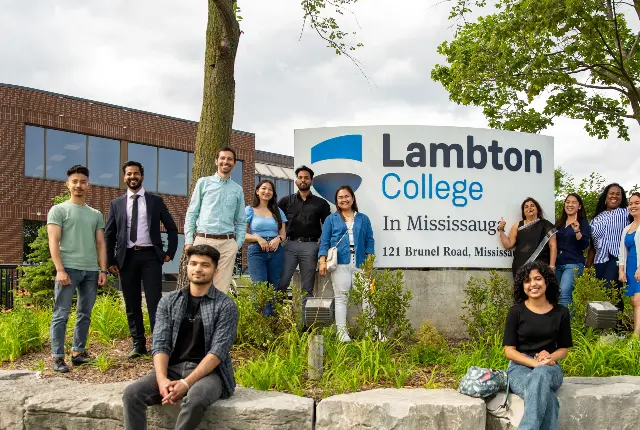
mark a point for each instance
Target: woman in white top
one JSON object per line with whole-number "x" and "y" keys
{"x": 629, "y": 260}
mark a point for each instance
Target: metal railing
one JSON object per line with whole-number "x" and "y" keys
{"x": 9, "y": 275}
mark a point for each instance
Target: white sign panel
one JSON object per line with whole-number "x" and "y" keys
{"x": 434, "y": 195}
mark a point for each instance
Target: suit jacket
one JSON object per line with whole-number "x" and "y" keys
{"x": 116, "y": 229}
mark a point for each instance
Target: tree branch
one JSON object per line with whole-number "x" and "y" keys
{"x": 599, "y": 87}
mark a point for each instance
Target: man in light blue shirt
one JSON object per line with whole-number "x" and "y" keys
{"x": 216, "y": 216}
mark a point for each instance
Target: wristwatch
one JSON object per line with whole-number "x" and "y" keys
{"x": 106, "y": 272}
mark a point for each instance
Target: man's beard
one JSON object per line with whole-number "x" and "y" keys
{"x": 304, "y": 187}
{"x": 134, "y": 187}
{"x": 202, "y": 281}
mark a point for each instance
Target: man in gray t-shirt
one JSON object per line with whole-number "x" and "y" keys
{"x": 78, "y": 250}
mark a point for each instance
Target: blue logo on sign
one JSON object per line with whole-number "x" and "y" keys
{"x": 347, "y": 147}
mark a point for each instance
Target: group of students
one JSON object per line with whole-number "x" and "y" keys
{"x": 610, "y": 240}
{"x": 547, "y": 257}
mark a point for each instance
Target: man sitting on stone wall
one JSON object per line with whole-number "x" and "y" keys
{"x": 195, "y": 328}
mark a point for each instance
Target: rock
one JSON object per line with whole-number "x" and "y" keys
{"x": 247, "y": 409}
{"x": 587, "y": 404}
{"x": 30, "y": 403}
{"x": 401, "y": 409}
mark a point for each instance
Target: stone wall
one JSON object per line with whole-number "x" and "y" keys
{"x": 32, "y": 403}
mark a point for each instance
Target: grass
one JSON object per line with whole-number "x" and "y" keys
{"x": 108, "y": 319}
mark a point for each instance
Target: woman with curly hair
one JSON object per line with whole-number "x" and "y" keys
{"x": 537, "y": 335}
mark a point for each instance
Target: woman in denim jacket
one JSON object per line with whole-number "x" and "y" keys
{"x": 351, "y": 232}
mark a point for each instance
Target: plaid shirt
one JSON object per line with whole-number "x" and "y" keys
{"x": 220, "y": 321}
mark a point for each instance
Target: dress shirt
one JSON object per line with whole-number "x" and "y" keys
{"x": 216, "y": 207}
{"x": 606, "y": 230}
{"x": 306, "y": 217}
{"x": 142, "y": 238}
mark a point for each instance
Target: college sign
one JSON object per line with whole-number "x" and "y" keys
{"x": 434, "y": 195}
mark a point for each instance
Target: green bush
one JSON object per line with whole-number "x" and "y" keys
{"x": 254, "y": 328}
{"x": 485, "y": 309}
{"x": 428, "y": 336}
{"x": 382, "y": 301}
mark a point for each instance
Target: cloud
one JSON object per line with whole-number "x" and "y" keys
{"x": 149, "y": 55}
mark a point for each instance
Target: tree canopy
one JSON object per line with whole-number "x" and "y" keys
{"x": 534, "y": 60}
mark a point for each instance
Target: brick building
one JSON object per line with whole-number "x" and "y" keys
{"x": 42, "y": 134}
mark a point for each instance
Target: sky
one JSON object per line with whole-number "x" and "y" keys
{"x": 149, "y": 55}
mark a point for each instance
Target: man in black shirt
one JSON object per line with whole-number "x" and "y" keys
{"x": 193, "y": 362}
{"x": 305, "y": 214}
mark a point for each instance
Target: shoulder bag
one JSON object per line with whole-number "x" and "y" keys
{"x": 332, "y": 255}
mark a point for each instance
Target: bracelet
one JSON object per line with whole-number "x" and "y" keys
{"x": 185, "y": 383}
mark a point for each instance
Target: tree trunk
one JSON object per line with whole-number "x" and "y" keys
{"x": 216, "y": 118}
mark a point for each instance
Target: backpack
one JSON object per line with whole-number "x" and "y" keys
{"x": 482, "y": 383}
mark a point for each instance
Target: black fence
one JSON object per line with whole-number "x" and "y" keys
{"x": 9, "y": 275}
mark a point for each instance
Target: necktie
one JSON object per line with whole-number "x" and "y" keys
{"x": 133, "y": 234}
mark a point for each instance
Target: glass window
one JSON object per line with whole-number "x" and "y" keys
{"x": 172, "y": 266}
{"x": 282, "y": 188}
{"x": 236, "y": 173}
{"x": 258, "y": 179}
{"x": 172, "y": 172}
{"x": 104, "y": 161}
{"x": 148, "y": 157}
{"x": 64, "y": 149}
{"x": 190, "y": 168}
{"x": 34, "y": 151}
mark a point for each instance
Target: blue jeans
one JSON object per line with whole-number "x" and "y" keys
{"x": 565, "y": 275}
{"x": 265, "y": 267}
{"x": 86, "y": 283}
{"x": 538, "y": 388}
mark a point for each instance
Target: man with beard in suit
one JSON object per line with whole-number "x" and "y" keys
{"x": 135, "y": 251}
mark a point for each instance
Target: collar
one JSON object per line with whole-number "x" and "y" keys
{"x": 218, "y": 178}
{"x": 211, "y": 293}
{"x": 140, "y": 192}
{"x": 300, "y": 197}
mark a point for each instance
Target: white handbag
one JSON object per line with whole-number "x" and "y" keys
{"x": 332, "y": 255}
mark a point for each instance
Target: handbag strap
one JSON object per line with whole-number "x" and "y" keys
{"x": 340, "y": 240}
{"x": 505, "y": 404}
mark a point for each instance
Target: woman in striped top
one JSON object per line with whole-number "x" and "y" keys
{"x": 610, "y": 218}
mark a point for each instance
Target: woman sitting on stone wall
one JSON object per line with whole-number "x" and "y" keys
{"x": 537, "y": 335}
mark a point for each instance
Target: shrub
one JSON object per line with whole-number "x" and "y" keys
{"x": 589, "y": 356}
{"x": 256, "y": 329}
{"x": 382, "y": 301}
{"x": 485, "y": 309}
{"x": 428, "y": 336}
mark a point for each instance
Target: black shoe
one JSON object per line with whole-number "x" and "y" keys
{"x": 82, "y": 358}
{"x": 59, "y": 365}
{"x": 138, "y": 351}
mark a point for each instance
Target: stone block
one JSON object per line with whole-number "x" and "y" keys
{"x": 401, "y": 409}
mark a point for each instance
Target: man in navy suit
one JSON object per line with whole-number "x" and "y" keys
{"x": 135, "y": 251}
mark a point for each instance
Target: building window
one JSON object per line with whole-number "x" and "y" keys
{"x": 64, "y": 149}
{"x": 190, "y": 168}
{"x": 236, "y": 173}
{"x": 173, "y": 265}
{"x": 172, "y": 172}
{"x": 283, "y": 187}
{"x": 34, "y": 151}
{"x": 104, "y": 161}
{"x": 148, "y": 157}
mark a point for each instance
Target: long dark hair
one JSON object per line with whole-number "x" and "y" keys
{"x": 535, "y": 202}
{"x": 637, "y": 194}
{"x": 272, "y": 204}
{"x": 354, "y": 205}
{"x": 580, "y": 215}
{"x": 553, "y": 288}
{"x": 602, "y": 200}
